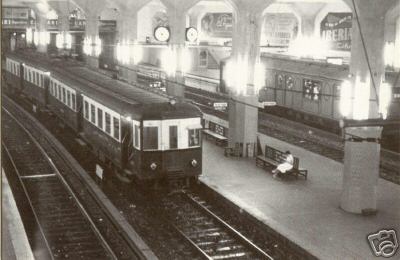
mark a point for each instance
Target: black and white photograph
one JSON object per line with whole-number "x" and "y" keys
{"x": 200, "y": 129}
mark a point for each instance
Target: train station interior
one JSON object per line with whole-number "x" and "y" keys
{"x": 286, "y": 111}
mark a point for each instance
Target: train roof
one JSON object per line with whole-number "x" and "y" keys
{"x": 123, "y": 98}
{"x": 306, "y": 67}
{"x": 303, "y": 67}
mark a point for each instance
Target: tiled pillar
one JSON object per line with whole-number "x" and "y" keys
{"x": 243, "y": 105}
{"x": 41, "y": 28}
{"x": 91, "y": 34}
{"x": 177, "y": 25}
{"x": 127, "y": 35}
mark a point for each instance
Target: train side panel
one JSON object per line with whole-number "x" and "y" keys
{"x": 104, "y": 146}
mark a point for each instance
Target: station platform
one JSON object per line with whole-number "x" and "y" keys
{"x": 305, "y": 211}
{"x": 14, "y": 242}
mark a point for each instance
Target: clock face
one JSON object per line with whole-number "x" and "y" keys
{"x": 191, "y": 34}
{"x": 161, "y": 34}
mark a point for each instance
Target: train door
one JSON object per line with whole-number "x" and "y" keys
{"x": 79, "y": 109}
{"x": 127, "y": 142}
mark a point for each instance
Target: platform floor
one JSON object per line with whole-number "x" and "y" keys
{"x": 305, "y": 211}
{"x": 14, "y": 242}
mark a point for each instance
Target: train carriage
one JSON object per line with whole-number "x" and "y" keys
{"x": 35, "y": 83}
{"x": 138, "y": 134}
{"x": 12, "y": 72}
{"x": 65, "y": 101}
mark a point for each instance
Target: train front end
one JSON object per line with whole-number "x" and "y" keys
{"x": 169, "y": 138}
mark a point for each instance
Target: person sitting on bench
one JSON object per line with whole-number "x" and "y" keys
{"x": 287, "y": 165}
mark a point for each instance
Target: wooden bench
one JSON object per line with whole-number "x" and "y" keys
{"x": 274, "y": 157}
{"x": 219, "y": 139}
{"x": 236, "y": 151}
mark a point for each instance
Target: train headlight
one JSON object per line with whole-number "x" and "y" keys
{"x": 194, "y": 163}
{"x": 153, "y": 166}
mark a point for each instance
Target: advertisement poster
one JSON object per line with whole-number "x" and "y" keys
{"x": 217, "y": 25}
{"x": 15, "y": 13}
{"x": 336, "y": 29}
{"x": 279, "y": 29}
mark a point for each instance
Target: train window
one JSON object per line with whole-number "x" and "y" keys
{"x": 108, "y": 123}
{"x": 194, "y": 137}
{"x": 68, "y": 98}
{"x": 41, "y": 80}
{"x": 336, "y": 89}
{"x": 173, "y": 137}
{"x": 289, "y": 82}
{"x": 150, "y": 137}
{"x": 86, "y": 110}
{"x": 280, "y": 81}
{"x": 136, "y": 140}
{"x": 73, "y": 103}
{"x": 116, "y": 128}
{"x": 58, "y": 91}
{"x": 92, "y": 114}
{"x": 100, "y": 118}
{"x": 311, "y": 89}
{"x": 64, "y": 96}
{"x": 51, "y": 88}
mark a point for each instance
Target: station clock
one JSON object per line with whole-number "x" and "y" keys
{"x": 191, "y": 34}
{"x": 161, "y": 33}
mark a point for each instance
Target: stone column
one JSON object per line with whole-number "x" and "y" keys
{"x": 91, "y": 34}
{"x": 243, "y": 105}
{"x": 41, "y": 28}
{"x": 127, "y": 35}
{"x": 63, "y": 27}
{"x": 308, "y": 25}
{"x": 177, "y": 24}
{"x": 362, "y": 150}
{"x": 397, "y": 45}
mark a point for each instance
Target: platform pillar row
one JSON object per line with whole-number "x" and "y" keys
{"x": 362, "y": 148}
{"x": 92, "y": 33}
{"x": 127, "y": 35}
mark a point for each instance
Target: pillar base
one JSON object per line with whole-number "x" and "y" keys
{"x": 175, "y": 86}
{"x": 42, "y": 48}
{"x": 361, "y": 169}
{"x": 128, "y": 74}
{"x": 243, "y": 123}
{"x": 92, "y": 62}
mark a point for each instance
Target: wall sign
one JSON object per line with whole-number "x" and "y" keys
{"x": 279, "y": 29}
{"x": 336, "y": 29}
{"x": 217, "y": 25}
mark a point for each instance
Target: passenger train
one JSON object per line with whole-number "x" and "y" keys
{"x": 137, "y": 134}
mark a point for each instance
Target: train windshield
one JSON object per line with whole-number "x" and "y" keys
{"x": 150, "y": 138}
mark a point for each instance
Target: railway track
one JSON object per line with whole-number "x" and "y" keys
{"x": 67, "y": 228}
{"x": 71, "y": 220}
{"x": 206, "y": 232}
